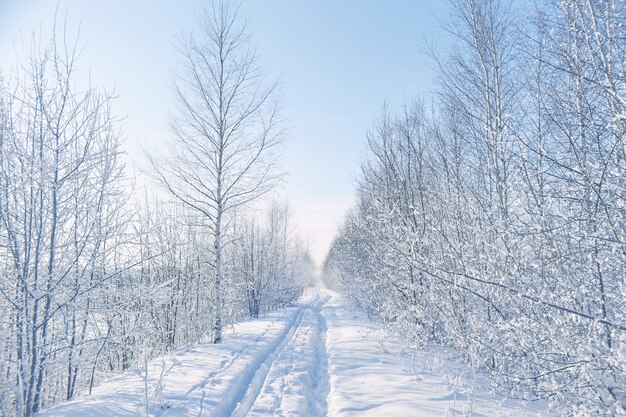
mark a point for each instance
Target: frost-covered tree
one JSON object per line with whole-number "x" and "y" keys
{"x": 496, "y": 224}
{"x": 61, "y": 206}
{"x": 226, "y": 129}
{"x": 270, "y": 261}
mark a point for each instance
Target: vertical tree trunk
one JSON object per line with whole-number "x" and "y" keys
{"x": 217, "y": 323}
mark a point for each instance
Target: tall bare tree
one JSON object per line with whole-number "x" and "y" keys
{"x": 226, "y": 130}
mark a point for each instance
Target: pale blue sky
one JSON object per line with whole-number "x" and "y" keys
{"x": 339, "y": 60}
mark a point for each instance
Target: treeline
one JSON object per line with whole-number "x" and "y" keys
{"x": 93, "y": 279}
{"x": 493, "y": 220}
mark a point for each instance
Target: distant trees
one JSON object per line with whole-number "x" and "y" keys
{"x": 270, "y": 261}
{"x": 496, "y": 225}
{"x": 227, "y": 130}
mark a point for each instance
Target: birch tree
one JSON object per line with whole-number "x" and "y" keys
{"x": 226, "y": 131}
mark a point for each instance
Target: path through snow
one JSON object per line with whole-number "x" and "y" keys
{"x": 314, "y": 359}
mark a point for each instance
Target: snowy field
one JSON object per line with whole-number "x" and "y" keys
{"x": 314, "y": 359}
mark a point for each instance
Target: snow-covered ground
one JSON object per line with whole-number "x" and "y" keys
{"x": 314, "y": 359}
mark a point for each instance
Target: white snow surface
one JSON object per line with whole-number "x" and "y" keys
{"x": 317, "y": 358}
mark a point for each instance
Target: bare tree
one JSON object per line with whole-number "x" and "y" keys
{"x": 61, "y": 203}
{"x": 270, "y": 261}
{"x": 226, "y": 130}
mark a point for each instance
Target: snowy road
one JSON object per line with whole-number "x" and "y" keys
{"x": 314, "y": 359}
{"x": 294, "y": 379}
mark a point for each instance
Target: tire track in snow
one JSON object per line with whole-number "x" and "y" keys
{"x": 258, "y": 379}
{"x": 248, "y": 385}
{"x": 226, "y": 364}
{"x": 187, "y": 403}
{"x": 321, "y": 386}
{"x": 298, "y": 382}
